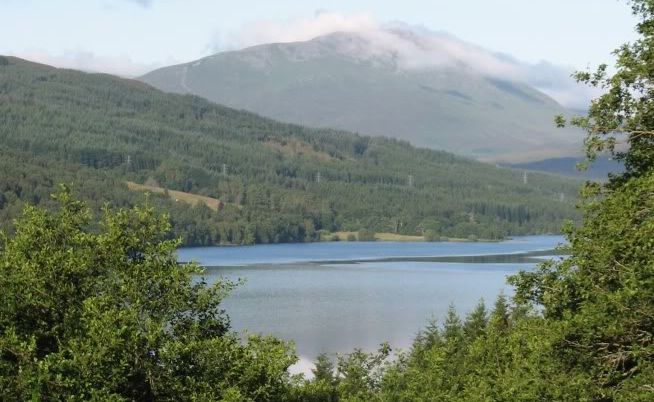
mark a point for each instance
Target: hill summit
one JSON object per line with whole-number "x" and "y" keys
{"x": 428, "y": 88}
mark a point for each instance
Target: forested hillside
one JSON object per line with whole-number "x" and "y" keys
{"x": 278, "y": 182}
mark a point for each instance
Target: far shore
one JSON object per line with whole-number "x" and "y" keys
{"x": 343, "y": 236}
{"x": 395, "y": 237}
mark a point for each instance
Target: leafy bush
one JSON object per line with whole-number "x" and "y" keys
{"x": 108, "y": 314}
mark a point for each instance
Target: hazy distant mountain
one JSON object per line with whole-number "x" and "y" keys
{"x": 433, "y": 91}
{"x": 598, "y": 170}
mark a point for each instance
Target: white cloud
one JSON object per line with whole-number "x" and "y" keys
{"x": 143, "y": 3}
{"x": 294, "y": 30}
{"x": 557, "y": 82}
{"x": 88, "y": 61}
{"x": 411, "y": 47}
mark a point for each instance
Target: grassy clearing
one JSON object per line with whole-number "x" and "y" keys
{"x": 397, "y": 237}
{"x": 343, "y": 236}
{"x": 178, "y": 196}
{"x": 378, "y": 236}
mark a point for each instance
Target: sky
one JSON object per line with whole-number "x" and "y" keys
{"x": 131, "y": 37}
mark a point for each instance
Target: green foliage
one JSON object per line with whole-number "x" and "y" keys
{"x": 475, "y": 324}
{"x": 108, "y": 314}
{"x": 360, "y": 374}
{"x": 324, "y": 369}
{"x": 323, "y": 387}
{"x": 473, "y": 361}
{"x": 98, "y": 132}
{"x": 601, "y": 299}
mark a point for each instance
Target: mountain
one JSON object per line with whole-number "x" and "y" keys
{"x": 429, "y": 89}
{"x": 597, "y": 170}
{"x": 269, "y": 181}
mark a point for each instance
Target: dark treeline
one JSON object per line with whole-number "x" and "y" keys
{"x": 279, "y": 182}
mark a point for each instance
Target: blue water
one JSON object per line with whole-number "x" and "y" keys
{"x": 345, "y": 251}
{"x": 336, "y": 307}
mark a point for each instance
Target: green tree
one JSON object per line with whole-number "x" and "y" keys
{"x": 428, "y": 337}
{"x": 360, "y": 374}
{"x": 323, "y": 387}
{"x": 104, "y": 312}
{"x": 599, "y": 302}
{"x": 452, "y": 327}
{"x": 324, "y": 368}
{"x": 499, "y": 318}
{"x": 476, "y": 322}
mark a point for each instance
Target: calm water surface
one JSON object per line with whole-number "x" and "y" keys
{"x": 333, "y": 297}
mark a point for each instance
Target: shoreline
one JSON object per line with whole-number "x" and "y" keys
{"x": 527, "y": 257}
{"x": 383, "y": 237}
{"x": 395, "y": 237}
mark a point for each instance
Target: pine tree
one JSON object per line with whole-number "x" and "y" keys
{"x": 324, "y": 369}
{"x": 500, "y": 316}
{"x": 452, "y": 328}
{"x": 475, "y": 323}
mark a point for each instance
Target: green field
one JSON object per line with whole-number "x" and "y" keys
{"x": 178, "y": 196}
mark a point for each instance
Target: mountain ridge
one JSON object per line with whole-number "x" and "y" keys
{"x": 341, "y": 80}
